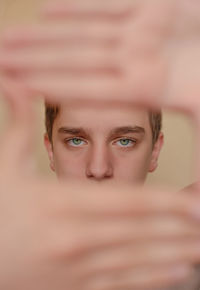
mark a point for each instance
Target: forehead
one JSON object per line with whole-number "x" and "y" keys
{"x": 106, "y": 116}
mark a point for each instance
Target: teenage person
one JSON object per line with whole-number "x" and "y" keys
{"x": 40, "y": 85}
{"x": 103, "y": 141}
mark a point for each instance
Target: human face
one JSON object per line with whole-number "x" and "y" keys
{"x": 102, "y": 143}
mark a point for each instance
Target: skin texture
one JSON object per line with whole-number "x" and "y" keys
{"x": 137, "y": 50}
{"x": 55, "y": 237}
{"x": 81, "y": 236}
{"x": 99, "y": 152}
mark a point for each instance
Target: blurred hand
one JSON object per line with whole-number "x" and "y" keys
{"x": 75, "y": 237}
{"x": 144, "y": 51}
{"x": 96, "y": 237}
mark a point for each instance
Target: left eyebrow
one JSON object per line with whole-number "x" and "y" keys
{"x": 128, "y": 129}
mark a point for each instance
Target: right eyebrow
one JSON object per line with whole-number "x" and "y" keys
{"x": 72, "y": 131}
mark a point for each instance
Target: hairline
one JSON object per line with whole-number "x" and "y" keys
{"x": 154, "y": 117}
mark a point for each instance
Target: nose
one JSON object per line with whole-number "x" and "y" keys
{"x": 99, "y": 165}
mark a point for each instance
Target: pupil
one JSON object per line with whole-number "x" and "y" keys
{"x": 124, "y": 141}
{"x": 77, "y": 141}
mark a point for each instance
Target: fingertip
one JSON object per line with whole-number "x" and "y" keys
{"x": 53, "y": 9}
{"x": 17, "y": 96}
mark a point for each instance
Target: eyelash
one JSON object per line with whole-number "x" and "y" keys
{"x": 133, "y": 142}
{"x": 75, "y": 138}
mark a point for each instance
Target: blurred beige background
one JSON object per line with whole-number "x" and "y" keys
{"x": 178, "y": 155}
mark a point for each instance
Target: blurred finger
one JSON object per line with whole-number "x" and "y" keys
{"x": 17, "y": 142}
{"x": 143, "y": 278}
{"x": 124, "y": 202}
{"x": 87, "y": 88}
{"x": 149, "y": 228}
{"x": 92, "y": 9}
{"x": 110, "y": 245}
{"x": 147, "y": 253}
{"x": 111, "y": 86}
{"x": 70, "y": 59}
{"x": 57, "y": 34}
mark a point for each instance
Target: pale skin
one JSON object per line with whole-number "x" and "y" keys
{"x": 53, "y": 223}
{"x": 82, "y": 238}
{"x": 120, "y": 150}
{"x": 137, "y": 49}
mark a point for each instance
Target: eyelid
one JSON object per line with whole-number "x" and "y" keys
{"x": 132, "y": 143}
{"x": 71, "y": 138}
{"x": 125, "y": 138}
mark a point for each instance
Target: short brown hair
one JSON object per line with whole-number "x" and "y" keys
{"x": 51, "y": 112}
{"x": 155, "y": 119}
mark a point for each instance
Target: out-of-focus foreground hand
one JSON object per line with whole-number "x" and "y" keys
{"x": 96, "y": 238}
{"x": 86, "y": 238}
{"x": 146, "y": 51}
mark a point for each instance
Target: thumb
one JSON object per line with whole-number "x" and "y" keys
{"x": 16, "y": 153}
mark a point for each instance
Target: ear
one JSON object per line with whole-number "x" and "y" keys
{"x": 49, "y": 149}
{"x": 156, "y": 152}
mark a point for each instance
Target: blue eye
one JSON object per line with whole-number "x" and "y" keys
{"x": 76, "y": 142}
{"x": 126, "y": 142}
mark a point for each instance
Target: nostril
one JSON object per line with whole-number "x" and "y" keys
{"x": 99, "y": 175}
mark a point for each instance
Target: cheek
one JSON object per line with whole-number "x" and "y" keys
{"x": 133, "y": 166}
{"x": 68, "y": 164}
